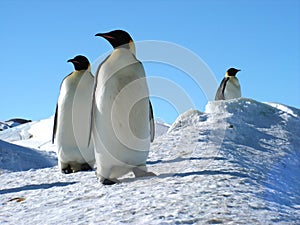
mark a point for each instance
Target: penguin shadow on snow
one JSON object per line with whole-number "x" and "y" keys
{"x": 205, "y": 172}
{"x": 233, "y": 174}
{"x": 36, "y": 187}
{"x": 184, "y": 159}
{"x": 200, "y": 172}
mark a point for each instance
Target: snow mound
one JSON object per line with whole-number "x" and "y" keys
{"x": 263, "y": 140}
{"x": 16, "y": 158}
{"x": 249, "y": 147}
{"x": 20, "y": 146}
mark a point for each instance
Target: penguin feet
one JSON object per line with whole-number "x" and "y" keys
{"x": 141, "y": 172}
{"x": 86, "y": 167}
{"x": 67, "y": 170}
{"x": 106, "y": 181}
{"x": 109, "y": 182}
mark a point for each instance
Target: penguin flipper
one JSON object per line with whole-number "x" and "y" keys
{"x": 93, "y": 100}
{"x": 152, "y": 124}
{"x": 91, "y": 120}
{"x": 221, "y": 89}
{"x": 56, "y": 111}
{"x": 55, "y": 124}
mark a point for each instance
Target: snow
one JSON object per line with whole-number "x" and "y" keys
{"x": 160, "y": 128}
{"x": 236, "y": 163}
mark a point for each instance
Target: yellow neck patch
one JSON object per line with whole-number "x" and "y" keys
{"x": 132, "y": 47}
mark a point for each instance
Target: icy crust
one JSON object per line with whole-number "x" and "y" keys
{"x": 237, "y": 164}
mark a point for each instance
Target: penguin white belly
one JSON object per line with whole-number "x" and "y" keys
{"x": 121, "y": 130}
{"x": 73, "y": 120}
{"x": 232, "y": 89}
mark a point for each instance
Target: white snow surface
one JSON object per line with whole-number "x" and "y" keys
{"x": 236, "y": 163}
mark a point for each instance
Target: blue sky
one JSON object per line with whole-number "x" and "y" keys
{"x": 262, "y": 38}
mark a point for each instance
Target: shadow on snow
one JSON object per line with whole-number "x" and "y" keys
{"x": 36, "y": 187}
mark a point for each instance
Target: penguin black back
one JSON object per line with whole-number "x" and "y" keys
{"x": 117, "y": 38}
{"x": 221, "y": 89}
{"x": 80, "y": 62}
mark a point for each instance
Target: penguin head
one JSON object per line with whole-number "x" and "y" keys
{"x": 80, "y": 62}
{"x": 231, "y": 72}
{"x": 119, "y": 38}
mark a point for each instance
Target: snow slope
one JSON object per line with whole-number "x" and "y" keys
{"x": 237, "y": 163}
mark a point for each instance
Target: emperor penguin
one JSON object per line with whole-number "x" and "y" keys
{"x": 230, "y": 87}
{"x": 72, "y": 119}
{"x": 122, "y": 117}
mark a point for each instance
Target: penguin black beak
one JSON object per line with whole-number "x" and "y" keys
{"x": 70, "y": 60}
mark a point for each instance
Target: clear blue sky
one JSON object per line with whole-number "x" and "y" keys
{"x": 262, "y": 38}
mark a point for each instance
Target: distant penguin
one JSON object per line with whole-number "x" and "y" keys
{"x": 72, "y": 119}
{"x": 123, "y": 124}
{"x": 230, "y": 87}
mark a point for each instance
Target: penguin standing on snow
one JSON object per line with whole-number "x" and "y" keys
{"x": 72, "y": 119}
{"x": 122, "y": 114}
{"x": 230, "y": 87}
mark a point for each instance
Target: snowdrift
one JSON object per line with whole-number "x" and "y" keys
{"x": 236, "y": 163}
{"x": 18, "y": 158}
